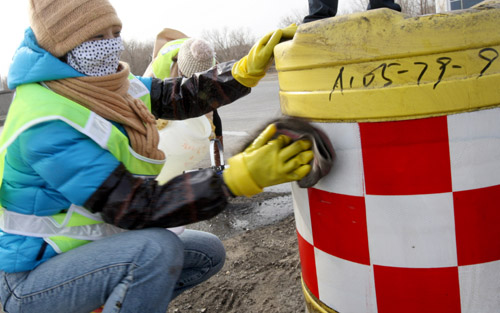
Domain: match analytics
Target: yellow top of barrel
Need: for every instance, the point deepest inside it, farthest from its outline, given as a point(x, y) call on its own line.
point(383, 65)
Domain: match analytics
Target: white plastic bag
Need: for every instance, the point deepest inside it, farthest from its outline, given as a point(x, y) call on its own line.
point(185, 144)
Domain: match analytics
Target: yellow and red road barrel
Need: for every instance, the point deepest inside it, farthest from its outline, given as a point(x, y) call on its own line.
point(408, 220)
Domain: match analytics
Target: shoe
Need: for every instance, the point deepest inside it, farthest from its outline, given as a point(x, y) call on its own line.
point(377, 4)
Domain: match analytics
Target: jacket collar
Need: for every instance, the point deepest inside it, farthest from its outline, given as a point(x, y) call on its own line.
point(32, 64)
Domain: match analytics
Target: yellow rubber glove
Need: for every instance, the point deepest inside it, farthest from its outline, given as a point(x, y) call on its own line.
point(252, 67)
point(268, 162)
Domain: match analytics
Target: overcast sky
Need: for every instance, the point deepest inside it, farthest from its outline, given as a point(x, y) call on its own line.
point(144, 18)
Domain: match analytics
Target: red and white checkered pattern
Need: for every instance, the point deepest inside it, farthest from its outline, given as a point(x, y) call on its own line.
point(408, 220)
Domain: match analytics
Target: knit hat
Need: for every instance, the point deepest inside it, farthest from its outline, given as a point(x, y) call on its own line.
point(195, 55)
point(61, 25)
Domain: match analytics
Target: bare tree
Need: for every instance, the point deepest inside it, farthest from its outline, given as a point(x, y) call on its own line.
point(138, 55)
point(418, 7)
point(296, 16)
point(230, 44)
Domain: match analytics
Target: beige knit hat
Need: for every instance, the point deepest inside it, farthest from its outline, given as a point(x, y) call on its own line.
point(61, 25)
point(195, 55)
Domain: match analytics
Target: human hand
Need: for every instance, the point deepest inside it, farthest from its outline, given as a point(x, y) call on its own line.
point(251, 68)
point(267, 162)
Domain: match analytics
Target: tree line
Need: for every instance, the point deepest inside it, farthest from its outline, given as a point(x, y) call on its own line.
point(229, 44)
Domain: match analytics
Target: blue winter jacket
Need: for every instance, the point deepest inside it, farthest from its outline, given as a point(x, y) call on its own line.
point(51, 165)
point(40, 164)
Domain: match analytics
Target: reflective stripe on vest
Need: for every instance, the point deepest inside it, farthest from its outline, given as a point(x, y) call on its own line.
point(78, 226)
point(77, 223)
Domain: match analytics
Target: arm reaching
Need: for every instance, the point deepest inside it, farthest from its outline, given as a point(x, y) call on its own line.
point(268, 162)
point(252, 67)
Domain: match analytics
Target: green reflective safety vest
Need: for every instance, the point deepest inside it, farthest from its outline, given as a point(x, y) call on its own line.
point(162, 64)
point(77, 226)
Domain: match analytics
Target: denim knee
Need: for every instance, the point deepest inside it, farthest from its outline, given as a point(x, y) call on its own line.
point(206, 243)
point(157, 247)
point(218, 252)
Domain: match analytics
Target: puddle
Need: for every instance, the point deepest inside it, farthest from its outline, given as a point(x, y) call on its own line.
point(242, 214)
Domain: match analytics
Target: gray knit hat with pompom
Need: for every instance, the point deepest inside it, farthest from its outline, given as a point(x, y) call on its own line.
point(195, 55)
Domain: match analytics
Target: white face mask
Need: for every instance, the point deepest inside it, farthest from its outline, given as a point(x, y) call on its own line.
point(97, 57)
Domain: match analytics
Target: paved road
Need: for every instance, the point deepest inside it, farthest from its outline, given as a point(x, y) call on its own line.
point(244, 116)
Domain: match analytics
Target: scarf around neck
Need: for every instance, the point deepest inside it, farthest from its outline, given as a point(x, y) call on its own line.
point(108, 97)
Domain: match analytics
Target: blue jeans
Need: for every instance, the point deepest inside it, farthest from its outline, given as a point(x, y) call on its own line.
point(135, 271)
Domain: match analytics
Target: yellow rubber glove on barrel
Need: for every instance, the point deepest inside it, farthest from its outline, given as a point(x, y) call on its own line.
point(252, 67)
point(268, 162)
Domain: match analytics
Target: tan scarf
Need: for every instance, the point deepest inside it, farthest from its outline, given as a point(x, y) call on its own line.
point(108, 97)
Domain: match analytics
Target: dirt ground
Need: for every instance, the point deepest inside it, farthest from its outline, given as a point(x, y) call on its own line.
point(261, 275)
